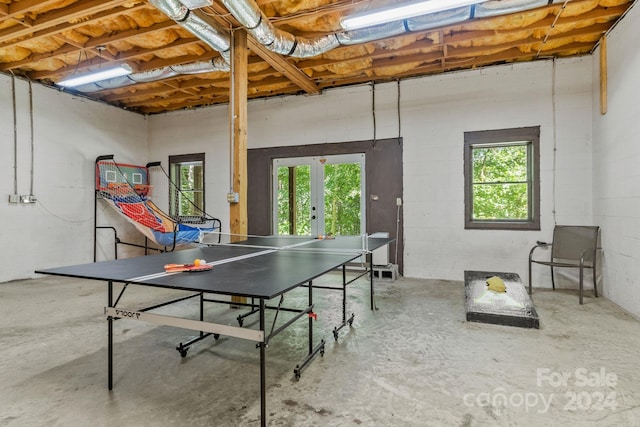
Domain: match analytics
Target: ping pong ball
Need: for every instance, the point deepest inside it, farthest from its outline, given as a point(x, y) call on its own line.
point(202, 262)
point(196, 262)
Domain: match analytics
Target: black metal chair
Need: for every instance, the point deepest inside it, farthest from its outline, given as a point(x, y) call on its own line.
point(573, 247)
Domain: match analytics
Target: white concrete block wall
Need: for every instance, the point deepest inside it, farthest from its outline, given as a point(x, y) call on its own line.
point(616, 156)
point(439, 110)
point(338, 115)
point(334, 116)
point(435, 112)
point(187, 132)
point(69, 133)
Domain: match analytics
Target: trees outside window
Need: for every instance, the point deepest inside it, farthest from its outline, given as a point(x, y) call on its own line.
point(502, 184)
point(319, 195)
point(186, 199)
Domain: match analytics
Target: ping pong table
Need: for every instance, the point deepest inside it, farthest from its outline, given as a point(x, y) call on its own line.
point(260, 269)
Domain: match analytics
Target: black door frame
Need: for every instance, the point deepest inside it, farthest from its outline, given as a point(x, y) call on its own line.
point(384, 186)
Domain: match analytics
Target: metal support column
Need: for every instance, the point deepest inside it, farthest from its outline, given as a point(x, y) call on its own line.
point(263, 373)
point(110, 339)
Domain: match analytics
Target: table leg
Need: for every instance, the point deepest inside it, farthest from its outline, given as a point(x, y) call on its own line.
point(310, 317)
point(263, 373)
point(110, 339)
point(345, 321)
point(369, 262)
point(344, 294)
point(297, 371)
point(201, 311)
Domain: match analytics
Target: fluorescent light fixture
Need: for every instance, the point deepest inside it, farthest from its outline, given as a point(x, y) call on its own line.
point(96, 76)
point(401, 11)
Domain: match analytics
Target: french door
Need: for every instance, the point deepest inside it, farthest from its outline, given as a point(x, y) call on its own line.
point(319, 195)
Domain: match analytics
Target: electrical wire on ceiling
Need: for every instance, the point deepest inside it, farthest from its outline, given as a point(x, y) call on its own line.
point(553, 25)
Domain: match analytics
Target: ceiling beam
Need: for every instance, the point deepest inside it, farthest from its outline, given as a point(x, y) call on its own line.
point(204, 92)
point(276, 61)
point(280, 64)
point(18, 8)
point(66, 18)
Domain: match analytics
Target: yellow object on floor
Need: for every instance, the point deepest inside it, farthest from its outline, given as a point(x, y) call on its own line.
point(496, 284)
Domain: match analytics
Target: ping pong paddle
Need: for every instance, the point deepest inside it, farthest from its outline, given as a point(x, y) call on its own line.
point(176, 268)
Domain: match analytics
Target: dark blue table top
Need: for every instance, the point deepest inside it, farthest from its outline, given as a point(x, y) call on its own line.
point(249, 268)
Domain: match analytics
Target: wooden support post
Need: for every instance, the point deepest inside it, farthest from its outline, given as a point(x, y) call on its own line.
point(238, 117)
point(603, 75)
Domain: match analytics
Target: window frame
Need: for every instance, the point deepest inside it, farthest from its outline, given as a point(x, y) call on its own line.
point(502, 137)
point(176, 161)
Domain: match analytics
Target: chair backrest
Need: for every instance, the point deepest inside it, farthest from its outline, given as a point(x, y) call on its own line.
point(570, 241)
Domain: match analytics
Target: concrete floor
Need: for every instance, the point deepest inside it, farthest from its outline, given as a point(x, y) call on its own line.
point(413, 362)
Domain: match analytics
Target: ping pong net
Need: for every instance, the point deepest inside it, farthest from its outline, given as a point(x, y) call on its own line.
point(357, 245)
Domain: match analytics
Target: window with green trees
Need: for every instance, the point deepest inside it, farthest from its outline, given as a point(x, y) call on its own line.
point(342, 199)
point(502, 179)
point(294, 200)
point(319, 196)
point(186, 199)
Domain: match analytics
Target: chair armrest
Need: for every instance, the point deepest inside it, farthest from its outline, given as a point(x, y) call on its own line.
point(539, 244)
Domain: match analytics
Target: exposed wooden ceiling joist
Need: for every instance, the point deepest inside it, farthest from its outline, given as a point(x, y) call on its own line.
point(48, 40)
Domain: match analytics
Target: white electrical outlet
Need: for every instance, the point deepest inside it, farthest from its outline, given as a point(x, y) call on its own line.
point(27, 198)
point(233, 197)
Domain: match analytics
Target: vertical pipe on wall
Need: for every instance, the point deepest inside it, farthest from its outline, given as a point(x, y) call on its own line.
point(555, 148)
point(31, 131)
point(15, 136)
point(373, 110)
point(232, 117)
point(398, 108)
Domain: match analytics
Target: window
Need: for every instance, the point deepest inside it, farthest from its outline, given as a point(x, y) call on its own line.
point(186, 196)
point(502, 179)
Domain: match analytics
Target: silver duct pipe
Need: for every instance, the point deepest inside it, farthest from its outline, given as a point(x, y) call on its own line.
point(439, 19)
point(502, 7)
point(250, 16)
point(217, 64)
point(364, 35)
point(217, 38)
point(258, 25)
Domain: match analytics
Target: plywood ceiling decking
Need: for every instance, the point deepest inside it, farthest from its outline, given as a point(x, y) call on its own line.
point(52, 39)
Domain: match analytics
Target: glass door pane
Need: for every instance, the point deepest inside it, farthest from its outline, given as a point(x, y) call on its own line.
point(292, 194)
point(342, 198)
point(319, 195)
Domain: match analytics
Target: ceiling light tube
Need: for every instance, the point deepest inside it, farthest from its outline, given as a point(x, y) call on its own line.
point(390, 14)
point(96, 76)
